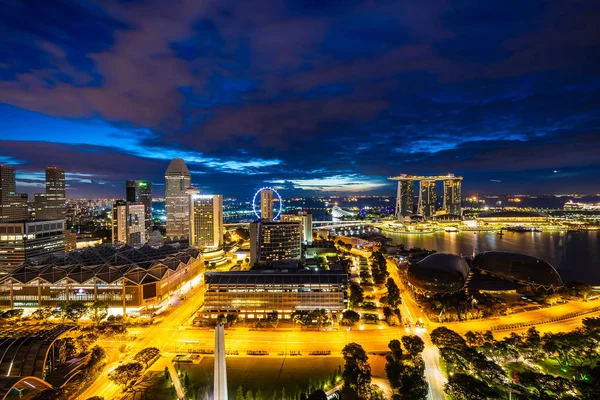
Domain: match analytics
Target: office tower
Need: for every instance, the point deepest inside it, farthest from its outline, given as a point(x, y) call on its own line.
point(274, 241)
point(305, 221)
point(22, 241)
point(220, 378)
point(307, 233)
point(452, 196)
point(405, 198)
point(52, 204)
point(141, 192)
point(427, 198)
point(177, 181)
point(128, 223)
point(266, 204)
point(206, 221)
point(13, 206)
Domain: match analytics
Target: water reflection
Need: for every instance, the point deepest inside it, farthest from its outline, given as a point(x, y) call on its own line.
point(574, 254)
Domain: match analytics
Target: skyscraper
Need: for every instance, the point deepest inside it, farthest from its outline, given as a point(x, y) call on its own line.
point(128, 224)
point(266, 204)
point(52, 204)
point(452, 196)
point(405, 198)
point(141, 192)
point(177, 181)
point(206, 221)
point(427, 198)
point(13, 206)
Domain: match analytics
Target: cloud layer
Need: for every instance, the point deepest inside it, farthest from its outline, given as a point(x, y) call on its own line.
point(320, 97)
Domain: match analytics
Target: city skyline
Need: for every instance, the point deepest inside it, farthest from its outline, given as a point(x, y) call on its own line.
point(315, 100)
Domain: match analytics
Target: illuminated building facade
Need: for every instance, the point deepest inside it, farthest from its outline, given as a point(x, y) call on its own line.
point(255, 294)
point(427, 195)
point(274, 241)
point(128, 223)
point(266, 204)
point(405, 198)
point(177, 205)
point(13, 205)
point(206, 221)
point(141, 192)
point(305, 220)
point(52, 204)
point(22, 241)
point(126, 278)
point(427, 198)
point(452, 196)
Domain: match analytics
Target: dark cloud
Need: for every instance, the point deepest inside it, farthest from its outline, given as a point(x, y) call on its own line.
point(342, 92)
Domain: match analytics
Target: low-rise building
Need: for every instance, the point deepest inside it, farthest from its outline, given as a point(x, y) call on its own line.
point(124, 277)
point(255, 294)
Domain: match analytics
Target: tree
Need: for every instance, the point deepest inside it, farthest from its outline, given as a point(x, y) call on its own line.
point(249, 395)
point(42, 313)
point(444, 337)
point(126, 373)
point(357, 295)
point(72, 310)
point(239, 395)
point(15, 313)
point(414, 385)
point(393, 366)
point(413, 344)
point(146, 355)
point(99, 311)
point(357, 371)
point(349, 318)
point(258, 395)
point(273, 319)
point(466, 387)
point(393, 293)
point(231, 319)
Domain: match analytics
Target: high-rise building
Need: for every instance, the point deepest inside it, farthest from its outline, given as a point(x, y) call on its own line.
point(24, 240)
point(141, 192)
point(305, 220)
point(427, 195)
point(13, 205)
point(128, 223)
point(206, 221)
point(52, 204)
point(452, 196)
point(274, 241)
point(266, 204)
point(405, 198)
point(177, 181)
point(427, 198)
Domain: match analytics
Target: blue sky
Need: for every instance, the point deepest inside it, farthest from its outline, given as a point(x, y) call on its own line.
point(312, 97)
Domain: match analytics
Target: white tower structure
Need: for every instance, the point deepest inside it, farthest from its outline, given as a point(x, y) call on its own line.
point(220, 389)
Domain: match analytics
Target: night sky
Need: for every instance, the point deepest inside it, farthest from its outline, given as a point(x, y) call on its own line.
point(314, 97)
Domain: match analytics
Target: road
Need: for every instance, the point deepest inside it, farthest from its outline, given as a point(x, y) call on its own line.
point(173, 335)
point(159, 335)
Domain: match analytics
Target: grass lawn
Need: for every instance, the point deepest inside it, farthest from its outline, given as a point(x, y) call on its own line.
point(266, 374)
point(155, 387)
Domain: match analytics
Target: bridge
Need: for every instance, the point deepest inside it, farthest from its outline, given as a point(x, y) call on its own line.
point(27, 355)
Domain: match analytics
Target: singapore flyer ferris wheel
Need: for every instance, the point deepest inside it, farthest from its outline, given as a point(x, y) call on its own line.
point(257, 207)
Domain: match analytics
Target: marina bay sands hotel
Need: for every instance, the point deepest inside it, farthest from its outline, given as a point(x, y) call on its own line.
point(427, 203)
